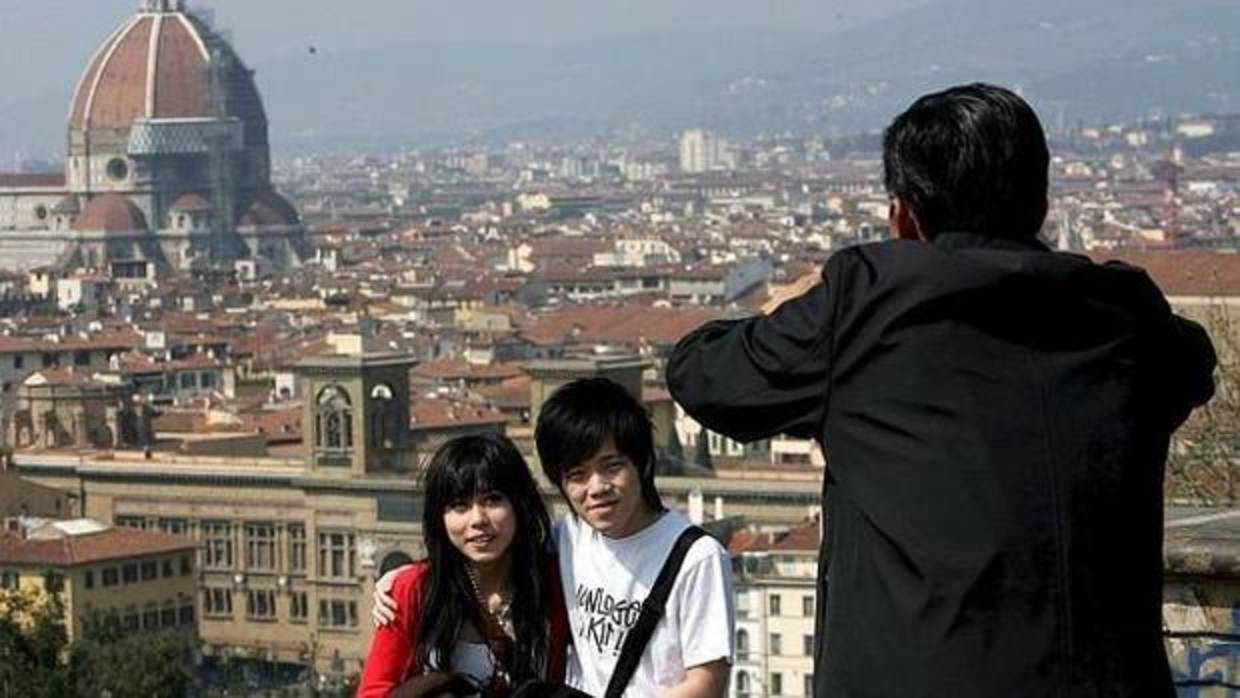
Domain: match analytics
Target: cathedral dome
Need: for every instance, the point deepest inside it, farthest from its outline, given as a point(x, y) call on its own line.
point(166, 63)
point(268, 208)
point(110, 213)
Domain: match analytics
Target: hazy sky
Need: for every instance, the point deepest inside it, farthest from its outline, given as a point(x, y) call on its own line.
point(46, 43)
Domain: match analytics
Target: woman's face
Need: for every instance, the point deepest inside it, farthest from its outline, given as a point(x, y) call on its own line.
point(482, 528)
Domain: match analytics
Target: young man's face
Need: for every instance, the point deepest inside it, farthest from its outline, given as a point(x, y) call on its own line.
point(606, 492)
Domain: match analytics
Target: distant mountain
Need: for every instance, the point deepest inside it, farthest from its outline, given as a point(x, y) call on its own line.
point(1075, 59)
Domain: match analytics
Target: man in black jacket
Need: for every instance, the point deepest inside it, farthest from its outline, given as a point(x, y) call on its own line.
point(996, 417)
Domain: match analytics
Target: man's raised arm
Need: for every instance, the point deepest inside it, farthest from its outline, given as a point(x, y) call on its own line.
point(762, 376)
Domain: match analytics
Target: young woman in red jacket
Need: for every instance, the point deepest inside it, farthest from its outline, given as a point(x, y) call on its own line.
point(485, 611)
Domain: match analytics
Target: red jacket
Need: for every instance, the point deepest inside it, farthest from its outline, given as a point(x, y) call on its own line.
point(394, 648)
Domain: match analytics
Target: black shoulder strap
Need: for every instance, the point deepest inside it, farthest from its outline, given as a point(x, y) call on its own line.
point(652, 612)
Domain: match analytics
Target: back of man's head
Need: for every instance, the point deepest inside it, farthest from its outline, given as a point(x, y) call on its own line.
point(969, 159)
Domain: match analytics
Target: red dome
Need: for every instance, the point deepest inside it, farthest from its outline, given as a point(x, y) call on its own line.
point(157, 65)
point(268, 208)
point(110, 213)
point(190, 203)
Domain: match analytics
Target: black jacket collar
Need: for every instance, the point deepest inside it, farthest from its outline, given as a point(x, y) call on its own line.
point(969, 241)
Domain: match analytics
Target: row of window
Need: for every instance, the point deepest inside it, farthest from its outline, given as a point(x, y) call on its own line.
point(261, 604)
point(50, 359)
point(775, 605)
point(145, 571)
point(148, 619)
point(775, 645)
point(260, 546)
point(776, 684)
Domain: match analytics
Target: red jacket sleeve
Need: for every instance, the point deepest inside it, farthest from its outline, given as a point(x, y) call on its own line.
point(393, 649)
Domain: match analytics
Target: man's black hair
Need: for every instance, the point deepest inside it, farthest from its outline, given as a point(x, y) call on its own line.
point(577, 420)
point(969, 159)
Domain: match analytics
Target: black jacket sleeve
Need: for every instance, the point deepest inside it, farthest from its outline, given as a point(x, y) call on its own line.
point(759, 377)
point(1189, 364)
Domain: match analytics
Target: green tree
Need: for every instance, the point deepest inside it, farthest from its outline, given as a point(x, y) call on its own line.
point(38, 661)
point(147, 664)
point(1202, 467)
point(32, 644)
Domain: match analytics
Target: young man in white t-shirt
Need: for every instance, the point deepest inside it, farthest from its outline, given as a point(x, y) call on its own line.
point(596, 444)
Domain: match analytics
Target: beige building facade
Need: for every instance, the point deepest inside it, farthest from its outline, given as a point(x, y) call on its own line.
point(139, 581)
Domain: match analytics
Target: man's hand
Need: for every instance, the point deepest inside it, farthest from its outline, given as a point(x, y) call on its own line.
point(384, 610)
point(796, 289)
point(708, 680)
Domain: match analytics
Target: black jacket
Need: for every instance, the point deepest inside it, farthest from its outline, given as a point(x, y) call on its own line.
point(996, 418)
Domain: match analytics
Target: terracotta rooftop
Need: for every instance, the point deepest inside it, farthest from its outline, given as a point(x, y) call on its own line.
point(98, 341)
point(50, 181)
point(268, 208)
point(459, 369)
point(191, 203)
point(63, 377)
point(513, 393)
point(1185, 272)
point(134, 77)
point(803, 537)
point(110, 213)
point(624, 324)
point(433, 413)
point(112, 544)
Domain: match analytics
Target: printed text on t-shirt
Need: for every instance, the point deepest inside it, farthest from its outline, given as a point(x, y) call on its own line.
point(607, 619)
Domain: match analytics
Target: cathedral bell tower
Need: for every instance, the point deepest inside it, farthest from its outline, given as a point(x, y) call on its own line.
point(356, 411)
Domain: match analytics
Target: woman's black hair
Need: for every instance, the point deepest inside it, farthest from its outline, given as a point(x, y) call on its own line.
point(577, 421)
point(464, 468)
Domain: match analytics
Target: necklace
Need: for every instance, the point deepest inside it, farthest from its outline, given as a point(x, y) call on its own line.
point(503, 613)
point(500, 647)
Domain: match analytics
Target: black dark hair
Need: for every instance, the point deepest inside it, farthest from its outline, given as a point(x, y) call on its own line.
point(463, 468)
point(969, 159)
point(578, 419)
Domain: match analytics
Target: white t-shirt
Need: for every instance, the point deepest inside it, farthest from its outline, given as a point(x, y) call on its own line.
point(605, 582)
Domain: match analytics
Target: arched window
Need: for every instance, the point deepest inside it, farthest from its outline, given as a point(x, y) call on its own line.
point(333, 428)
point(742, 682)
point(742, 646)
point(382, 425)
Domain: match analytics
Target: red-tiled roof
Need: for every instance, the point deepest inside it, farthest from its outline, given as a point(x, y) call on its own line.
point(112, 544)
point(623, 324)
point(459, 369)
point(110, 213)
point(32, 180)
point(191, 203)
point(133, 77)
point(99, 341)
point(282, 424)
point(513, 393)
point(432, 413)
point(62, 377)
point(268, 208)
point(803, 537)
point(120, 90)
point(181, 75)
point(1185, 272)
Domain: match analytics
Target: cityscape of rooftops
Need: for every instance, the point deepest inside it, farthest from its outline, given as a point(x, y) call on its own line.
point(259, 261)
